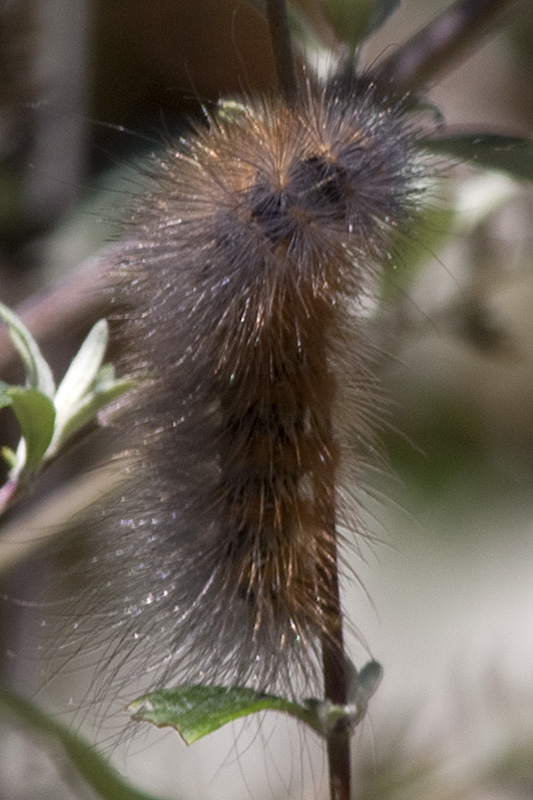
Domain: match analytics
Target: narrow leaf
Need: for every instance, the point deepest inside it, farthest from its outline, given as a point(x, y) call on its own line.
point(95, 770)
point(38, 373)
point(511, 154)
point(83, 369)
point(8, 455)
point(87, 408)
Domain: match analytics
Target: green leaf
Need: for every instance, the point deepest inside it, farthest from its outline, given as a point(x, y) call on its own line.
point(354, 21)
point(95, 770)
point(5, 398)
point(383, 9)
point(195, 711)
point(9, 456)
point(100, 396)
point(38, 373)
point(87, 387)
point(368, 680)
point(83, 370)
point(35, 414)
point(46, 417)
point(511, 154)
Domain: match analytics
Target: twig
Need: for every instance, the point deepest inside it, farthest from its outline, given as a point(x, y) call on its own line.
point(428, 53)
point(280, 36)
point(333, 656)
point(72, 306)
point(335, 690)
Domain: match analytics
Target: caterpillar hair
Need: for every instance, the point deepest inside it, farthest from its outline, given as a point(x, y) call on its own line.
point(240, 290)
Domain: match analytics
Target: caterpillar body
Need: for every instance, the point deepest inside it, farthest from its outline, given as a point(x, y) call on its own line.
point(239, 294)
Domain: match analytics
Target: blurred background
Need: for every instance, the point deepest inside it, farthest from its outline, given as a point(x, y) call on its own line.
point(87, 89)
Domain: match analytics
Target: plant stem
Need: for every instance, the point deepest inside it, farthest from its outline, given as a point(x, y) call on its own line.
point(338, 743)
point(333, 657)
point(280, 37)
point(429, 52)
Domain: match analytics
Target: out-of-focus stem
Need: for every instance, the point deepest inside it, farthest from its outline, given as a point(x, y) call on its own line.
point(283, 51)
point(439, 45)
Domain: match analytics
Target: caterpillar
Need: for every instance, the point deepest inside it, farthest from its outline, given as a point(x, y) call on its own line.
point(239, 300)
point(240, 293)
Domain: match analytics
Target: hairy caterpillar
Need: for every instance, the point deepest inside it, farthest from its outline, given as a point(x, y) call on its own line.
point(259, 216)
point(243, 283)
point(238, 296)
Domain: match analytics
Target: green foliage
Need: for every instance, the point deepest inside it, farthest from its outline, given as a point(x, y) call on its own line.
point(36, 415)
point(195, 711)
point(511, 154)
point(93, 768)
point(48, 416)
point(353, 22)
point(38, 373)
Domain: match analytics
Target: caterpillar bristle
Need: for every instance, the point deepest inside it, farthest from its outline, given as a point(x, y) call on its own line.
point(239, 294)
point(239, 289)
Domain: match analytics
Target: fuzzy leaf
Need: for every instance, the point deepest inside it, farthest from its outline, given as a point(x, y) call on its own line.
point(511, 154)
point(195, 711)
point(38, 373)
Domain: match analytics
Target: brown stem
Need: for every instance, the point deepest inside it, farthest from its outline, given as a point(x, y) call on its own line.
point(280, 37)
point(428, 53)
point(338, 742)
point(333, 657)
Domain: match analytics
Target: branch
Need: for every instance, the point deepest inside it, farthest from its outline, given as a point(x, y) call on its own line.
point(439, 45)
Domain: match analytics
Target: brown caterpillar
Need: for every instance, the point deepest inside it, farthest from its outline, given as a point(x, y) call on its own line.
point(239, 294)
